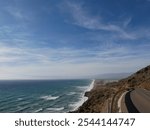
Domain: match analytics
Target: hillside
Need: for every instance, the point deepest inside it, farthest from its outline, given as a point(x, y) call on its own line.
point(102, 92)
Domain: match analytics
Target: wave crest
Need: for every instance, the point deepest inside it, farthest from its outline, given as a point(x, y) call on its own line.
point(71, 93)
point(55, 109)
point(49, 97)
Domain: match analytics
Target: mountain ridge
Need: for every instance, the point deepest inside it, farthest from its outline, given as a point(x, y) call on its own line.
point(102, 92)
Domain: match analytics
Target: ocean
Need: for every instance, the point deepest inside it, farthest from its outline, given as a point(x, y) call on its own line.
point(42, 96)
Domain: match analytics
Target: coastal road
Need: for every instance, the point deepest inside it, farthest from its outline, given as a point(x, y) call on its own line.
point(134, 101)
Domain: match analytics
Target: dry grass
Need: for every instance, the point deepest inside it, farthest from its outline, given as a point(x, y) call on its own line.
point(99, 95)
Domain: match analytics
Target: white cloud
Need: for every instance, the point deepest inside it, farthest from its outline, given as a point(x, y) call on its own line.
point(24, 63)
point(127, 22)
point(49, 56)
point(82, 18)
point(69, 70)
point(19, 60)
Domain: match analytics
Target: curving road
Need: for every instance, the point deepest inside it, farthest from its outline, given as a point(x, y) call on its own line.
point(137, 100)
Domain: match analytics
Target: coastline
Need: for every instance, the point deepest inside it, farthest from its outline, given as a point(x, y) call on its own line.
point(91, 86)
point(104, 91)
point(95, 96)
point(83, 97)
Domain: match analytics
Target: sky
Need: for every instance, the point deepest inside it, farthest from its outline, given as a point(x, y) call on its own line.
point(58, 39)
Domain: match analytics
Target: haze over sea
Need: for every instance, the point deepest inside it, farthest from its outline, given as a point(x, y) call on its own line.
point(42, 95)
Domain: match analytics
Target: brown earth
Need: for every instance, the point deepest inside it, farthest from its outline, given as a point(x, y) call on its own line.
point(102, 92)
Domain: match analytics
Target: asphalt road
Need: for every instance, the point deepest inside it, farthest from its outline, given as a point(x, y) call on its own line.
point(135, 101)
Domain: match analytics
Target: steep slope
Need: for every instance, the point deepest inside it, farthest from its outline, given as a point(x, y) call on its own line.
point(99, 96)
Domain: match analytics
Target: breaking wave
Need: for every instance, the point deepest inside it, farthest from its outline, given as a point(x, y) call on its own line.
point(49, 97)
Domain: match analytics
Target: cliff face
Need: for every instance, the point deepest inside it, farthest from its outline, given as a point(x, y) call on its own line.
point(102, 92)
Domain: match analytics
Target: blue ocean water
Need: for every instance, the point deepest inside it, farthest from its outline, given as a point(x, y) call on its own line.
point(41, 95)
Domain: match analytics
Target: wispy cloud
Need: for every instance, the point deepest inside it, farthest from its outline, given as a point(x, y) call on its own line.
point(102, 47)
point(18, 13)
point(21, 56)
point(126, 22)
point(64, 62)
point(81, 17)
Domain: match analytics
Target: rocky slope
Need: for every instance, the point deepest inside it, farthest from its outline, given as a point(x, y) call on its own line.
point(102, 92)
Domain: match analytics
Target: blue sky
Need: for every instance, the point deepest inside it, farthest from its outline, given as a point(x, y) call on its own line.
point(73, 38)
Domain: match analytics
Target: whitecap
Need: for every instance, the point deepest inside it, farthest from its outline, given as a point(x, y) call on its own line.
point(82, 88)
point(19, 99)
point(71, 93)
point(76, 105)
point(38, 110)
point(49, 97)
point(55, 109)
point(82, 99)
point(91, 86)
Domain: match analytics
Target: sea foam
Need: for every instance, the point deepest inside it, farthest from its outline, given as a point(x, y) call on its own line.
point(49, 97)
point(71, 93)
point(55, 109)
point(76, 105)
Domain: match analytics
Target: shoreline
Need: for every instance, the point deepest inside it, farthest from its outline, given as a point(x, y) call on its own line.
point(92, 100)
point(91, 86)
point(104, 91)
point(83, 97)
